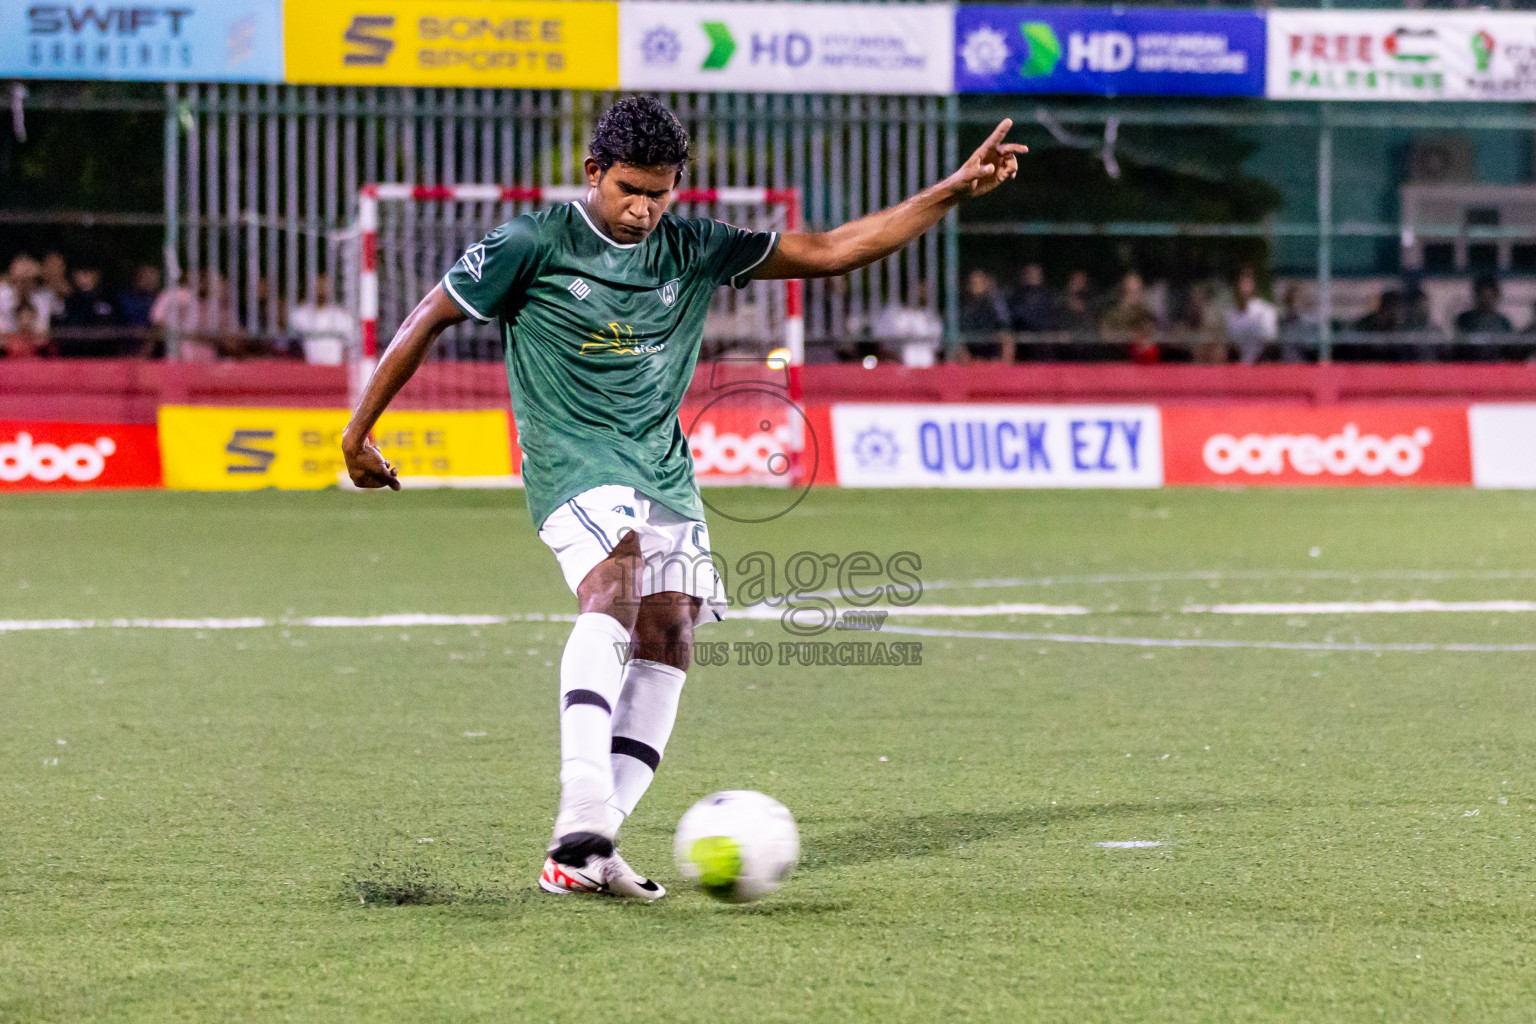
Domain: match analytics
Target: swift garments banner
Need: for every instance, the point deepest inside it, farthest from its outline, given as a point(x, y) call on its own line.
point(1323, 447)
point(787, 47)
point(570, 44)
point(207, 448)
point(1401, 55)
point(77, 456)
point(184, 40)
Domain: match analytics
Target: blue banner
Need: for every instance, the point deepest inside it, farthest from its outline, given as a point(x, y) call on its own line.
point(183, 40)
point(1102, 51)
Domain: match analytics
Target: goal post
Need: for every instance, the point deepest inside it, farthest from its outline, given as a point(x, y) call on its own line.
point(406, 235)
point(370, 196)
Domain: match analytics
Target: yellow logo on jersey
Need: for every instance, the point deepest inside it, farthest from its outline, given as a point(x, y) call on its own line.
point(619, 340)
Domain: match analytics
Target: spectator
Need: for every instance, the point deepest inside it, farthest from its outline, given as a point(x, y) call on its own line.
point(1252, 323)
point(1297, 326)
point(1075, 317)
point(1130, 323)
point(1386, 317)
point(23, 287)
point(25, 338)
point(135, 302)
point(984, 319)
point(1032, 307)
point(1484, 318)
point(89, 318)
point(915, 328)
point(325, 329)
point(56, 277)
point(1202, 322)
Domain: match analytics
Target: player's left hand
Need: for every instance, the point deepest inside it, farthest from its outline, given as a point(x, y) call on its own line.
point(991, 165)
point(367, 467)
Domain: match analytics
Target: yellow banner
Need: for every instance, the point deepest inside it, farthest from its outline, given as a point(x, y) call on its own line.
point(213, 448)
point(572, 44)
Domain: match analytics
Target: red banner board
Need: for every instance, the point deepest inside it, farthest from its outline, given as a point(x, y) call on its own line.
point(1291, 446)
point(77, 456)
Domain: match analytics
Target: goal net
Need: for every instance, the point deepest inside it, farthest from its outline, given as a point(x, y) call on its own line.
point(742, 412)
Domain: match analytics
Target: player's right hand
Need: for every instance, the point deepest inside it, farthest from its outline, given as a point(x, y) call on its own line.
point(368, 468)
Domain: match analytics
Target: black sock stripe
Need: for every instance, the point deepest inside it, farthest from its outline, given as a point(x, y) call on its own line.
point(592, 697)
point(642, 752)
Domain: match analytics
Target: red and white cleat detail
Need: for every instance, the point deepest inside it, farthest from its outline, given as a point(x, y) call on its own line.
point(564, 879)
point(609, 876)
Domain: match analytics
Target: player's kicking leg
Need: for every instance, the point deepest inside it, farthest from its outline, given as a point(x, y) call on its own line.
point(619, 697)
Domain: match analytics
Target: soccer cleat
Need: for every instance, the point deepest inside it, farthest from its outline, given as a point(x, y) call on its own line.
point(563, 879)
point(623, 880)
point(609, 876)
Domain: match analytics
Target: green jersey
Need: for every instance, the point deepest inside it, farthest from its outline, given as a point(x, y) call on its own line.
point(601, 341)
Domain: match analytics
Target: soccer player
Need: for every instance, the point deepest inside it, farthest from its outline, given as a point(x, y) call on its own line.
point(601, 304)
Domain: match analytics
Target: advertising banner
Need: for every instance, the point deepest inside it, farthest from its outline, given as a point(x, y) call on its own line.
point(1401, 55)
point(77, 456)
point(1503, 445)
point(570, 44)
point(997, 445)
point(184, 40)
point(1109, 51)
point(1325, 447)
point(211, 448)
point(787, 47)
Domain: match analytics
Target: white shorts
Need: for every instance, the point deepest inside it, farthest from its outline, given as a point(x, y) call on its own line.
point(675, 549)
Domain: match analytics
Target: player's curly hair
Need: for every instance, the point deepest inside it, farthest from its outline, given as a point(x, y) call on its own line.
point(641, 131)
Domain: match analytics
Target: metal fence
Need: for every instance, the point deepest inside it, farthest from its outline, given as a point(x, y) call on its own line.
point(261, 180)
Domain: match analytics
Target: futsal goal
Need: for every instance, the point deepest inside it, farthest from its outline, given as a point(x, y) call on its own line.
point(743, 413)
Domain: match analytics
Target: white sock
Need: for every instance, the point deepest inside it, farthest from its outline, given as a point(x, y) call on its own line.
point(642, 723)
point(591, 678)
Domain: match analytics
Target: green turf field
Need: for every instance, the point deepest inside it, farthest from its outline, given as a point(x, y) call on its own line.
point(213, 825)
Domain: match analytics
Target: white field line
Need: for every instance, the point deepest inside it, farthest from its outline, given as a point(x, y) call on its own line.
point(1129, 844)
point(1218, 575)
point(776, 611)
point(763, 612)
point(1181, 642)
point(1358, 607)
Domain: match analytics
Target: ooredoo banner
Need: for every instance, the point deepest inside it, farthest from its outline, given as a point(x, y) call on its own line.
point(1109, 51)
point(213, 448)
point(570, 44)
point(997, 445)
point(77, 456)
point(1401, 55)
point(184, 40)
point(1335, 446)
point(787, 47)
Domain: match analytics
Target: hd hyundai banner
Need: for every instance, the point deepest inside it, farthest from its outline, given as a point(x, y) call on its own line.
point(787, 47)
point(184, 40)
point(77, 456)
point(1109, 51)
point(997, 445)
point(1401, 55)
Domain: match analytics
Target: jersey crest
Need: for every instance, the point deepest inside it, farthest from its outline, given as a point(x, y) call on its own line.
point(669, 292)
point(474, 260)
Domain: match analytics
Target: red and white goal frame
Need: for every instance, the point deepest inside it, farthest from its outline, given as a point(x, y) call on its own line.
point(370, 196)
point(728, 448)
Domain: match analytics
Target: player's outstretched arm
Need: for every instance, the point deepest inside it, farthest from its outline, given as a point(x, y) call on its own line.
point(431, 317)
point(861, 242)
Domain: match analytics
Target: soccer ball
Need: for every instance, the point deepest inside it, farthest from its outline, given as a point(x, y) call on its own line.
point(737, 845)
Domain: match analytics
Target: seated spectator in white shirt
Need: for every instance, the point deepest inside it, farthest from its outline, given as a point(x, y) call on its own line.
point(324, 328)
point(1252, 323)
point(23, 286)
point(915, 328)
